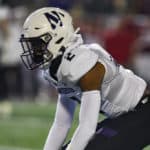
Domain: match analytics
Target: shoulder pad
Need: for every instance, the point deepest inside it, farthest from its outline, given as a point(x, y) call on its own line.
point(84, 59)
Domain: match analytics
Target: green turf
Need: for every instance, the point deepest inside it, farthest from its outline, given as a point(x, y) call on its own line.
point(24, 126)
point(27, 124)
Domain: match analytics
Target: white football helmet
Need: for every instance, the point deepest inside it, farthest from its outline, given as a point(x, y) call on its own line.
point(45, 32)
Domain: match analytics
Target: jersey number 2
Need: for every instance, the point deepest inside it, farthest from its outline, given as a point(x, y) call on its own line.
point(69, 56)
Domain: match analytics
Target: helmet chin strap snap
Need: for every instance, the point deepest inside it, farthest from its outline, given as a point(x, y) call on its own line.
point(46, 57)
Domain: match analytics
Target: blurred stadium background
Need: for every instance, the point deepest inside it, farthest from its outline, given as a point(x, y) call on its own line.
point(27, 102)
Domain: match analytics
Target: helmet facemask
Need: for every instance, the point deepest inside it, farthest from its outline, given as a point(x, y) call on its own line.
point(35, 52)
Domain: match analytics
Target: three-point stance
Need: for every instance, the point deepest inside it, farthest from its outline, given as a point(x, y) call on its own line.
point(89, 75)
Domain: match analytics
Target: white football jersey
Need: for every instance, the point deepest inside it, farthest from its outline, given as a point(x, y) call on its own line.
point(121, 89)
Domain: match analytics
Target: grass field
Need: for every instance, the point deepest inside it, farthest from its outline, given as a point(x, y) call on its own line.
point(24, 126)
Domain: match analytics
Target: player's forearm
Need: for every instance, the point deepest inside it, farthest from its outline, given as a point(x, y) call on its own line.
point(56, 137)
point(63, 120)
point(81, 138)
point(89, 113)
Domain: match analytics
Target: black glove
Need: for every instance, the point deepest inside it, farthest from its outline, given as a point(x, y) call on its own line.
point(65, 146)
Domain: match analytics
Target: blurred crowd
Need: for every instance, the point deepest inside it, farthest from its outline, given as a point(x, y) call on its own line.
point(122, 27)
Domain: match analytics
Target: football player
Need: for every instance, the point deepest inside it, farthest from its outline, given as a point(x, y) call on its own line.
point(89, 75)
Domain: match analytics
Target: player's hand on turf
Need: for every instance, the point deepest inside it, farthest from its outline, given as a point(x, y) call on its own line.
point(64, 147)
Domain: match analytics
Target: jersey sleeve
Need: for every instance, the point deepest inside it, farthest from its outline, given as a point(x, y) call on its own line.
point(81, 65)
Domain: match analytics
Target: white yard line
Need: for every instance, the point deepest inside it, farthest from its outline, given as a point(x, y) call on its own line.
point(14, 148)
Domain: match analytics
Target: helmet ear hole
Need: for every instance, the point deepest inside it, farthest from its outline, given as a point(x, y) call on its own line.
point(59, 40)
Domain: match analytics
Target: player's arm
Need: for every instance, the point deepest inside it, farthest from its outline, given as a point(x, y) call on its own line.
point(62, 123)
point(90, 84)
